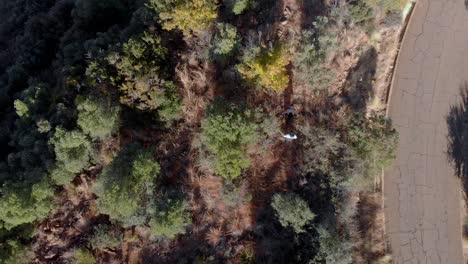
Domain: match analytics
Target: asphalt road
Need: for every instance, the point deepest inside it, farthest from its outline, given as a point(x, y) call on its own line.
point(422, 195)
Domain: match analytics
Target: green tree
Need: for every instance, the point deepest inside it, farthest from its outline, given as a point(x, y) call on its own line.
point(141, 66)
point(267, 69)
point(292, 211)
point(225, 40)
point(226, 135)
point(21, 108)
point(97, 116)
point(43, 126)
point(72, 153)
point(190, 16)
point(23, 204)
point(125, 188)
point(172, 221)
point(239, 6)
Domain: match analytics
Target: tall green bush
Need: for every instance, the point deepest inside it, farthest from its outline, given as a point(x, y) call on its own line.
point(374, 140)
point(125, 188)
point(72, 150)
point(171, 221)
point(225, 40)
point(25, 204)
point(190, 16)
point(267, 69)
point(226, 135)
point(97, 116)
point(292, 211)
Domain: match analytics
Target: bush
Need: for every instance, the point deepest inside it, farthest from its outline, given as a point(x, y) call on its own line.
point(97, 116)
point(239, 6)
point(292, 211)
point(141, 67)
point(125, 188)
point(374, 140)
point(72, 150)
point(225, 40)
point(190, 16)
point(83, 256)
point(172, 221)
point(43, 126)
point(14, 252)
point(361, 12)
point(226, 134)
point(21, 108)
point(267, 69)
point(314, 47)
point(322, 148)
point(105, 236)
point(333, 248)
point(23, 204)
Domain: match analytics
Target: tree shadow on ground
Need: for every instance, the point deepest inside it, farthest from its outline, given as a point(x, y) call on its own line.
point(360, 81)
point(457, 148)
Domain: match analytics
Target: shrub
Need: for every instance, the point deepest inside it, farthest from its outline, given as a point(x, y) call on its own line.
point(105, 236)
point(125, 187)
point(97, 116)
point(14, 252)
point(83, 256)
point(190, 16)
point(172, 221)
point(374, 140)
point(361, 12)
point(292, 211)
point(314, 47)
point(23, 204)
point(141, 67)
point(226, 134)
point(239, 6)
point(225, 40)
point(43, 126)
point(333, 248)
point(322, 148)
point(72, 150)
point(21, 108)
point(267, 69)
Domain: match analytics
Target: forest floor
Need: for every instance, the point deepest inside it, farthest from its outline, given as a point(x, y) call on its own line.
point(362, 69)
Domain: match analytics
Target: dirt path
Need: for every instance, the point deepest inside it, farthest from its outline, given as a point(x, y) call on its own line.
point(58, 234)
point(422, 194)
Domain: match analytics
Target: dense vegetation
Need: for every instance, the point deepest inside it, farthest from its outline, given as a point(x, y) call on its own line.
point(168, 115)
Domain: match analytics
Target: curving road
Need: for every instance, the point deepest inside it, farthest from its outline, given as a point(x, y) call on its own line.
point(422, 195)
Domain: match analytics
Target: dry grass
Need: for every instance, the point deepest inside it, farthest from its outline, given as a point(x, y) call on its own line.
point(58, 234)
point(370, 240)
point(196, 78)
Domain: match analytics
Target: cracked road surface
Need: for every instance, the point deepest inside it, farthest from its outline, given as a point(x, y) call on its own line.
point(422, 195)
